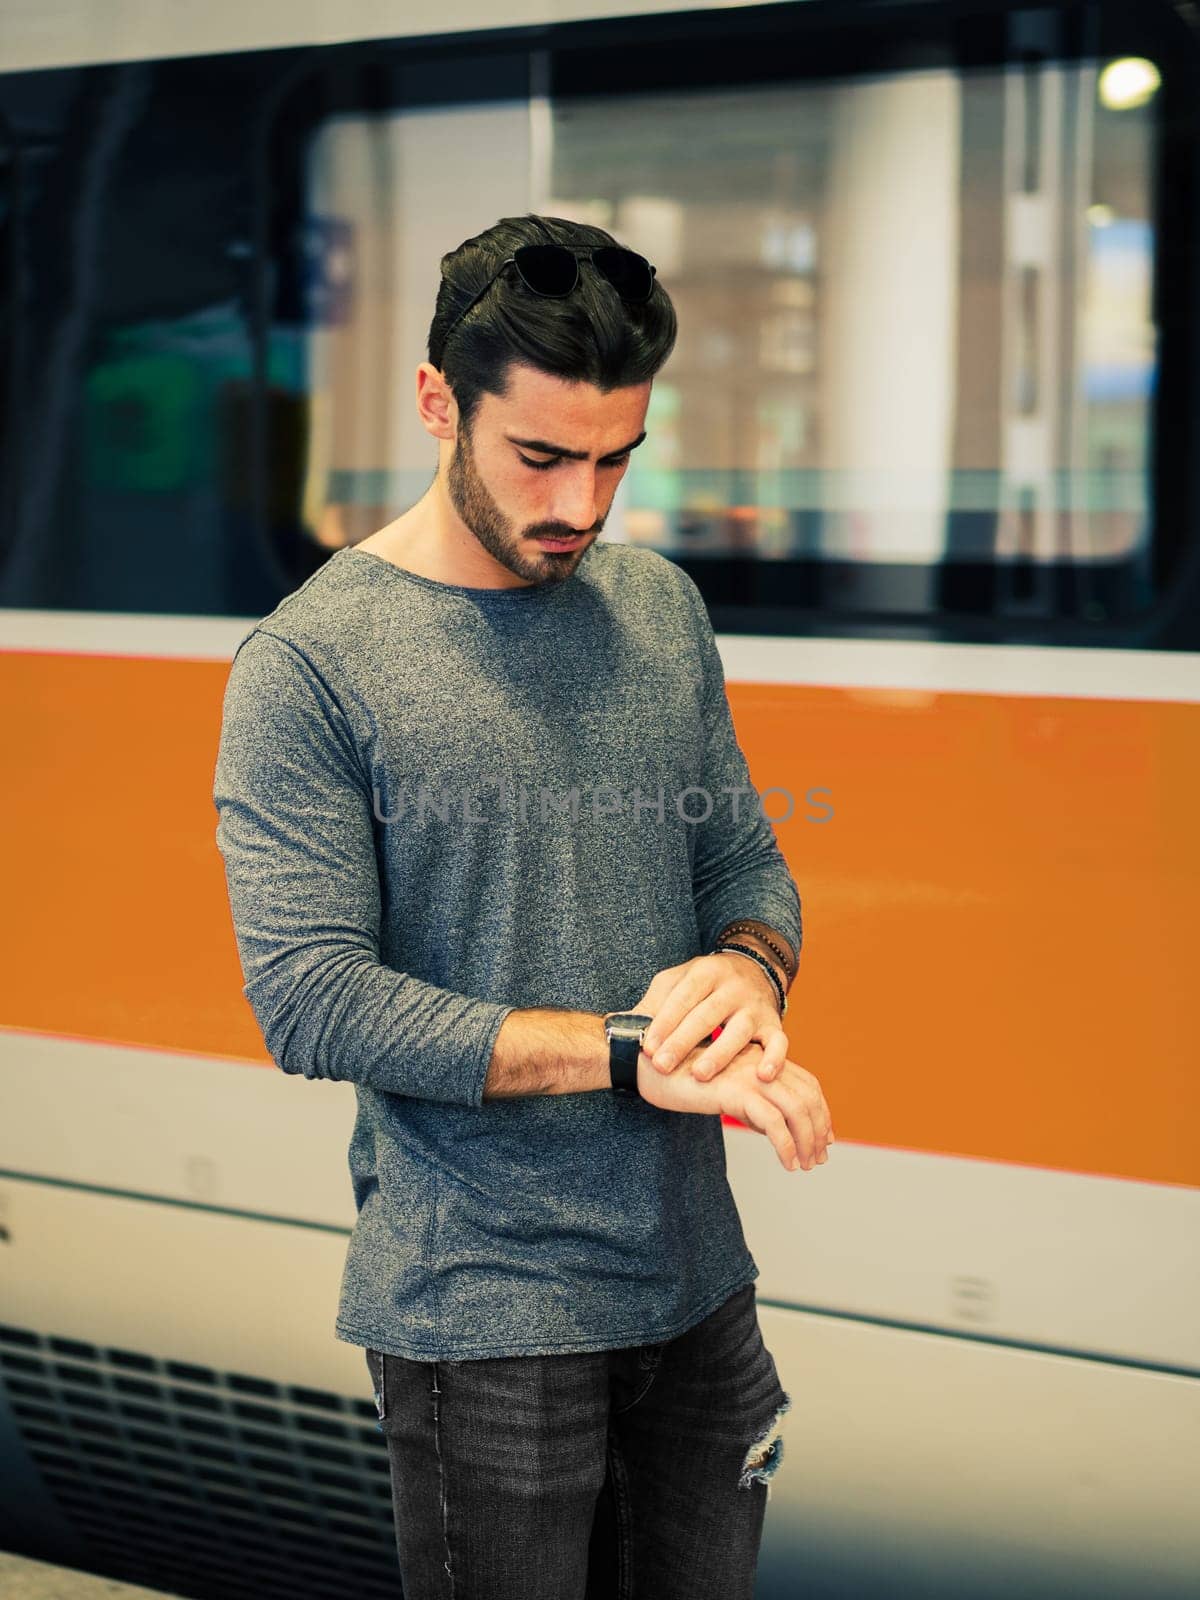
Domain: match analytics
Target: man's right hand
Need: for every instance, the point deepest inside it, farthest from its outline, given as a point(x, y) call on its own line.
point(789, 1109)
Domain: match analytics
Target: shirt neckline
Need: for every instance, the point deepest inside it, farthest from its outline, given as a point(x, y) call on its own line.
point(520, 592)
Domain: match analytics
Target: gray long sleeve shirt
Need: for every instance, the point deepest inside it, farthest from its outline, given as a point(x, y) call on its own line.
point(437, 804)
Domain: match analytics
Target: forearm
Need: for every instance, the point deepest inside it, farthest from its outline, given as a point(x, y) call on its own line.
point(546, 1051)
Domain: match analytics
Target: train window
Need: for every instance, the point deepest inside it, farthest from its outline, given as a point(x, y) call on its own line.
point(916, 330)
point(919, 345)
point(936, 269)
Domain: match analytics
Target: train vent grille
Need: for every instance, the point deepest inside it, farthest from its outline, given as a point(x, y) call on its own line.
point(211, 1485)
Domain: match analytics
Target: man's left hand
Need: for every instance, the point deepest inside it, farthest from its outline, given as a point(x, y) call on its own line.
point(727, 991)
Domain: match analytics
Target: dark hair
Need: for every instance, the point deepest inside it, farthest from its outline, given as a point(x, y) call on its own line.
point(590, 335)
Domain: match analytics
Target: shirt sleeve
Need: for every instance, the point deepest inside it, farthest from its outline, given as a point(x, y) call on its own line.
point(296, 834)
point(738, 869)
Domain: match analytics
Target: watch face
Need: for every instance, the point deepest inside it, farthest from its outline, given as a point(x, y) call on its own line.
point(627, 1024)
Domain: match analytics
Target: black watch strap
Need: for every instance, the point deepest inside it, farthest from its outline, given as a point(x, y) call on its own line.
point(625, 1031)
point(623, 1064)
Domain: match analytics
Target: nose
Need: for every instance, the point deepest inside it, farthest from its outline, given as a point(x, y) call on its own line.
point(575, 499)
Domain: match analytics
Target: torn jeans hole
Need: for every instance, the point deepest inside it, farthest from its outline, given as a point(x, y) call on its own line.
point(765, 1454)
point(380, 1387)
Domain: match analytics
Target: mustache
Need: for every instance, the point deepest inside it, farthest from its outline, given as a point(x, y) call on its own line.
point(549, 530)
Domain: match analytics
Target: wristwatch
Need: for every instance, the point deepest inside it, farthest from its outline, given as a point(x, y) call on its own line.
point(625, 1031)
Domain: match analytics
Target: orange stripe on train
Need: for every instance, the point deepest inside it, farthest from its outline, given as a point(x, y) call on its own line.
point(998, 910)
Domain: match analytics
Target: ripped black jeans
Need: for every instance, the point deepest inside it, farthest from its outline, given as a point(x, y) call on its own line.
point(636, 1474)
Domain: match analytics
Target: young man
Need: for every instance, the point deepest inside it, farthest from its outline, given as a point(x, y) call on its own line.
point(485, 824)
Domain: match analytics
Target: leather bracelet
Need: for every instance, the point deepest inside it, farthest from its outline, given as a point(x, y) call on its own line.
point(745, 950)
point(756, 931)
point(752, 928)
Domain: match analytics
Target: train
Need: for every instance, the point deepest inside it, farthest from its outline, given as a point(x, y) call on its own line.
point(928, 446)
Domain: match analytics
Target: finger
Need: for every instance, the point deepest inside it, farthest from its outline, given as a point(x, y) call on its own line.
point(818, 1113)
point(676, 1004)
point(735, 1035)
point(775, 1048)
point(818, 1106)
point(694, 1028)
point(759, 1112)
point(822, 1118)
point(799, 1120)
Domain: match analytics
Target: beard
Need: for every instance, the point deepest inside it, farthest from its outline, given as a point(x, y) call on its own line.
point(471, 498)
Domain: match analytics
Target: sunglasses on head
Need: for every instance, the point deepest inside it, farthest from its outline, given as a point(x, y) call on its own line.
point(553, 270)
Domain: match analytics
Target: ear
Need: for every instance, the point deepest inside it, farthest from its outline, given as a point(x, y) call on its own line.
point(436, 405)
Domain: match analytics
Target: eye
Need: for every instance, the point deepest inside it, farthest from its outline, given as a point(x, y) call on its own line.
point(544, 466)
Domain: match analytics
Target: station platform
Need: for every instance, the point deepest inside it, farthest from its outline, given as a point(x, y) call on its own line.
point(22, 1579)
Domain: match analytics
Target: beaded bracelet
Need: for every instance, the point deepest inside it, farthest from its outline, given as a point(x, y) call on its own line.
point(764, 938)
point(745, 950)
point(753, 928)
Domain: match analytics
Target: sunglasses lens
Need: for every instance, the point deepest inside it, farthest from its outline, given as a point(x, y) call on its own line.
point(547, 268)
point(631, 275)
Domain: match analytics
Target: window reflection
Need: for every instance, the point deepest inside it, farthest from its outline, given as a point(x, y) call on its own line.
point(915, 313)
point(915, 316)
